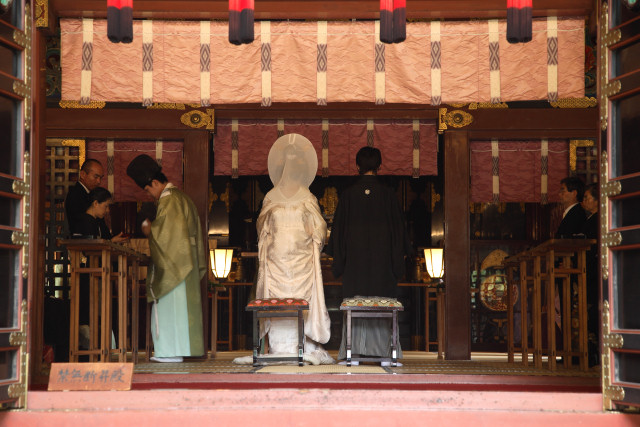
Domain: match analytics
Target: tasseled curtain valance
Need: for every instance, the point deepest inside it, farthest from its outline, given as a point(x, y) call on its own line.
point(116, 155)
point(518, 171)
point(409, 147)
point(321, 62)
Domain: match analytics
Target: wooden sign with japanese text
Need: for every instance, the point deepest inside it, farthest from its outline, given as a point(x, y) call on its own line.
point(90, 376)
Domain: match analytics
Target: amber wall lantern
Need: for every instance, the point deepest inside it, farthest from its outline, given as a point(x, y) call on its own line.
point(221, 262)
point(434, 259)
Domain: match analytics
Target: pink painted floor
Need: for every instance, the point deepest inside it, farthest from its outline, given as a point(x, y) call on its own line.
point(314, 407)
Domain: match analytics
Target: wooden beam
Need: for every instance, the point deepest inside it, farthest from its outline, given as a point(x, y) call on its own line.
point(320, 9)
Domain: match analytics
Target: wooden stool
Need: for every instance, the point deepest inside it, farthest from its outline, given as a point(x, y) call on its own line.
point(379, 307)
point(277, 307)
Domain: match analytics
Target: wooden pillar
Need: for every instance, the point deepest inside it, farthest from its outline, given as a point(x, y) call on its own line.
point(196, 185)
point(457, 246)
point(37, 149)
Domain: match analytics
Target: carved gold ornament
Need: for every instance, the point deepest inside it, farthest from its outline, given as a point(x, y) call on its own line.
point(75, 104)
point(477, 105)
point(607, 239)
point(607, 88)
point(609, 341)
point(23, 88)
point(329, 201)
point(575, 103)
point(42, 13)
point(573, 146)
point(435, 198)
point(455, 118)
point(223, 197)
point(197, 119)
point(19, 338)
point(170, 106)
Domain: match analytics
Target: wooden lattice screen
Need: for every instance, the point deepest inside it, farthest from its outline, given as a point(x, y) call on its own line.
point(64, 158)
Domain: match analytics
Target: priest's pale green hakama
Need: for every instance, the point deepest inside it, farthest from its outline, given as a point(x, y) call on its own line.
point(171, 333)
point(179, 264)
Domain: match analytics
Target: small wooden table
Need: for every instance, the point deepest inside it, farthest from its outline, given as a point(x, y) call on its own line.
point(432, 292)
point(94, 257)
point(550, 263)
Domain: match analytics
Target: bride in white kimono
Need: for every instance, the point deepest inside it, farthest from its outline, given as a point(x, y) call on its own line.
point(291, 234)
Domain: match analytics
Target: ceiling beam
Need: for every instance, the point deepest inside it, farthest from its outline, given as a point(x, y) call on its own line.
point(319, 9)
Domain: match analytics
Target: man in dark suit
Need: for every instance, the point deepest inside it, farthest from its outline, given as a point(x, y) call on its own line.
point(75, 206)
point(77, 200)
point(572, 224)
point(574, 217)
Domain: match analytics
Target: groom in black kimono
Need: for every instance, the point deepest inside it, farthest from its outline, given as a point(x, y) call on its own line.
point(368, 243)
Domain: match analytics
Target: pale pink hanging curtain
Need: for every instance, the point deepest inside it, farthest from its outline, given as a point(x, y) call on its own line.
point(322, 62)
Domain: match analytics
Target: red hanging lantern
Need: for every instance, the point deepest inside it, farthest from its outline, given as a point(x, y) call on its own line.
point(241, 21)
point(519, 21)
point(399, 20)
point(393, 21)
point(120, 21)
point(386, 21)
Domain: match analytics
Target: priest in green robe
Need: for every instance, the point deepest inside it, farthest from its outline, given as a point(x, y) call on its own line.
point(178, 265)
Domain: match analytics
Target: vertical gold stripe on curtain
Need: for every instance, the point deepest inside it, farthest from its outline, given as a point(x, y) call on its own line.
point(416, 149)
point(325, 148)
point(379, 66)
point(552, 58)
point(494, 61)
point(205, 63)
point(280, 127)
point(234, 148)
point(321, 67)
point(147, 63)
point(495, 170)
point(370, 133)
point(159, 151)
point(265, 49)
point(544, 171)
point(436, 67)
point(87, 61)
point(110, 165)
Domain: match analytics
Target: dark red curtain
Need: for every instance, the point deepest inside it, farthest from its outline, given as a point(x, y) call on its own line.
point(124, 189)
point(520, 170)
point(394, 138)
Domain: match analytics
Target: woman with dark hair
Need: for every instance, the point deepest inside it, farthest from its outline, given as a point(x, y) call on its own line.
point(91, 222)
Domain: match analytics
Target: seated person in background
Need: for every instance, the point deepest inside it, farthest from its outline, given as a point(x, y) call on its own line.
point(91, 222)
point(368, 243)
point(574, 217)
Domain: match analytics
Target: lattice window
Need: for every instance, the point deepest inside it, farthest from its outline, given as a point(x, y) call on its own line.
point(64, 158)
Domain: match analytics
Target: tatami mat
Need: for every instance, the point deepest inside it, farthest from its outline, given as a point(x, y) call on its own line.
point(322, 369)
point(413, 363)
